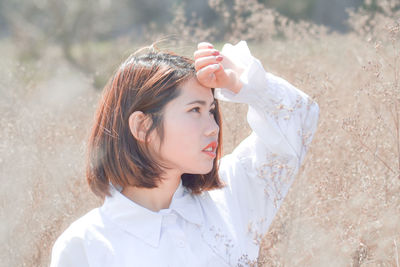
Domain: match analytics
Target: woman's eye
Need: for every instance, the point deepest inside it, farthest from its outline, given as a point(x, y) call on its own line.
point(195, 109)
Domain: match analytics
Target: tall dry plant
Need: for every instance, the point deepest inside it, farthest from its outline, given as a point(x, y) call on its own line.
point(253, 21)
point(182, 30)
point(379, 133)
point(46, 114)
point(342, 210)
point(236, 20)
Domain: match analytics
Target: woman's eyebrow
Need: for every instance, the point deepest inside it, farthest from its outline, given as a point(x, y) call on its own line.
point(201, 102)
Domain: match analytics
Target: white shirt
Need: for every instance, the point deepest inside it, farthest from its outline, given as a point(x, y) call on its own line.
point(222, 227)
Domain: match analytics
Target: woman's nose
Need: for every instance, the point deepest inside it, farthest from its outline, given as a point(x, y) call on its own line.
point(213, 128)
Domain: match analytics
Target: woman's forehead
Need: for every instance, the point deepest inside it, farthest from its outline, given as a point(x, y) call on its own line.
point(192, 90)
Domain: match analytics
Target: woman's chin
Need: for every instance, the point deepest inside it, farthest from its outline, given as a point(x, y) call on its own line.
point(202, 171)
point(207, 170)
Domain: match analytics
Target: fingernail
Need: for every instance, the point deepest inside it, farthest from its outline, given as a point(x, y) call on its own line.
point(215, 66)
point(210, 46)
point(219, 58)
point(215, 53)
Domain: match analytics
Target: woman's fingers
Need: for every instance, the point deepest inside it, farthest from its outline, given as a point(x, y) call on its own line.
point(205, 53)
point(204, 61)
point(209, 71)
point(206, 74)
point(213, 69)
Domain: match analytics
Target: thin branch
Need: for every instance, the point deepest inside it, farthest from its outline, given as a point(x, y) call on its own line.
point(380, 118)
point(396, 253)
point(397, 132)
point(375, 155)
point(395, 64)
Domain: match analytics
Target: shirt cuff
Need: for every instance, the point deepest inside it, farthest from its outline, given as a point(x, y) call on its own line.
point(253, 78)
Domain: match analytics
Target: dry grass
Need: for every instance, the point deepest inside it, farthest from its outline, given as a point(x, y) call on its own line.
point(343, 209)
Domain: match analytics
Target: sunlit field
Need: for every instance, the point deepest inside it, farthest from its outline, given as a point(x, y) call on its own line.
point(344, 207)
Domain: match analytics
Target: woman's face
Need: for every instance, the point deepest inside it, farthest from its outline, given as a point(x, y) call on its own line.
point(189, 126)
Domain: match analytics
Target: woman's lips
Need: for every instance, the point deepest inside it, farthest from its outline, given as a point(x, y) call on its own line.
point(213, 145)
point(211, 154)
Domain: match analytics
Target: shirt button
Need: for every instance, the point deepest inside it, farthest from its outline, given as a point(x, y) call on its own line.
point(181, 243)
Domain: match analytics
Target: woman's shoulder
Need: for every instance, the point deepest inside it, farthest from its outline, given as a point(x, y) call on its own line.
point(79, 229)
point(69, 248)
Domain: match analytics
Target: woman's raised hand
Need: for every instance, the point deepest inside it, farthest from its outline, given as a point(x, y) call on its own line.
point(215, 70)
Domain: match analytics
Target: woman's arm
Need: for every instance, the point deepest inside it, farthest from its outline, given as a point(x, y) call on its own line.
point(262, 167)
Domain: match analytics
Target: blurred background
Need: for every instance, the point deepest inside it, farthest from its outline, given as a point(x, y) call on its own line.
point(56, 56)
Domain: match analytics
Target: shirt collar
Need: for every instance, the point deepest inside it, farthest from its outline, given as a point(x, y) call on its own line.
point(144, 223)
point(187, 205)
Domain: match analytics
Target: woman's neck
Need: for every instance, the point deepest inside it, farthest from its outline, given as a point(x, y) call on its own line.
point(153, 199)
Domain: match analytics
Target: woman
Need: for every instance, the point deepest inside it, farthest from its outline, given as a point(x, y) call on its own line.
point(154, 155)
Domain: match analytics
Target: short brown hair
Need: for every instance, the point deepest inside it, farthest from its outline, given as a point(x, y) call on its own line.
point(146, 83)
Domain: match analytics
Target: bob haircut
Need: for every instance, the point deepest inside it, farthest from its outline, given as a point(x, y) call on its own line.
point(144, 82)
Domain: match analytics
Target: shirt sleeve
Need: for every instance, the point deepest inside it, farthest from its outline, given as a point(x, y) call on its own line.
point(68, 251)
point(260, 170)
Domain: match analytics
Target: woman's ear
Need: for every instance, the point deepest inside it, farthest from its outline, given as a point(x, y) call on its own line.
point(139, 123)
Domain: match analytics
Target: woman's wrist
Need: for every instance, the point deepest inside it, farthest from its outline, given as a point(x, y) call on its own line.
point(235, 84)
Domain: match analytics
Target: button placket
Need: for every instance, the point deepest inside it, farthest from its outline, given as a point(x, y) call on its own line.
point(171, 224)
point(179, 239)
point(181, 243)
